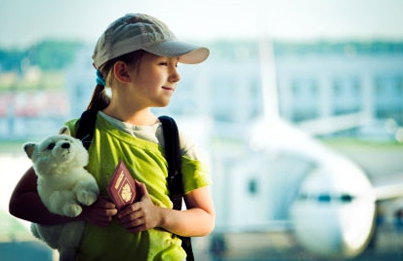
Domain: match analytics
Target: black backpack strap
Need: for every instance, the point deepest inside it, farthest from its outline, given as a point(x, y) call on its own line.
point(174, 159)
point(86, 127)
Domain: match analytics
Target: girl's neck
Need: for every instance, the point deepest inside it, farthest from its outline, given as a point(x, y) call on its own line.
point(143, 117)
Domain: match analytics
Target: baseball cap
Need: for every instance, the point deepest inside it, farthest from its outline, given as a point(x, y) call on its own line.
point(134, 32)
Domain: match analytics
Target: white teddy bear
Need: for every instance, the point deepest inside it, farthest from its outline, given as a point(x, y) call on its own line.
point(63, 184)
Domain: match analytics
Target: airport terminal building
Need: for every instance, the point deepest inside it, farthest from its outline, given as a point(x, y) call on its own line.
point(308, 81)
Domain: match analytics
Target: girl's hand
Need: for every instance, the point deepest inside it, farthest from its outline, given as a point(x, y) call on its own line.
point(100, 213)
point(141, 215)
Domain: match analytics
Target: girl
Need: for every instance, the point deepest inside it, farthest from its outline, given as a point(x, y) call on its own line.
point(137, 57)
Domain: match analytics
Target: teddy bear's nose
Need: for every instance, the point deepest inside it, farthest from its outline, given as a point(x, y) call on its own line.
point(66, 145)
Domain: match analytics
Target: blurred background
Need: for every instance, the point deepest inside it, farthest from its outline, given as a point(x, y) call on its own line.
point(299, 108)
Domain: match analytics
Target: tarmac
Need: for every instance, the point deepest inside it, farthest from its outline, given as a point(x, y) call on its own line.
point(280, 246)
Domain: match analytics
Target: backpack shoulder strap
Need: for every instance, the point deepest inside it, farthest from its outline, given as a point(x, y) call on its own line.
point(86, 127)
point(175, 184)
point(173, 157)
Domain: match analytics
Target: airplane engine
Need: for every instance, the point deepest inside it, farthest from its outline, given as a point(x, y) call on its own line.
point(334, 212)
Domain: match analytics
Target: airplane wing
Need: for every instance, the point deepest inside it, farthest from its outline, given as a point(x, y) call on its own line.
point(320, 126)
point(388, 187)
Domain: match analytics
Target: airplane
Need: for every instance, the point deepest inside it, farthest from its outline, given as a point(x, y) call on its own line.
point(334, 201)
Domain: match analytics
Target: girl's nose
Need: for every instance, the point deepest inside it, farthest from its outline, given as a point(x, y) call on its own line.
point(174, 75)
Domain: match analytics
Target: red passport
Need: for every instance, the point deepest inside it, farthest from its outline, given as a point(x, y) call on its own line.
point(122, 188)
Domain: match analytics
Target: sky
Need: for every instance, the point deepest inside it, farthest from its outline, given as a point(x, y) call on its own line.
point(24, 22)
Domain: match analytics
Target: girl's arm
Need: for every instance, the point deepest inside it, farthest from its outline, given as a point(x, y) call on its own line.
point(197, 220)
point(25, 203)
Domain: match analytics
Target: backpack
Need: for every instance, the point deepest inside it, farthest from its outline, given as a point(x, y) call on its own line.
point(85, 132)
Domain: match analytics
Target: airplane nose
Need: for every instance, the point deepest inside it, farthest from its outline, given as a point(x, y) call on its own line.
point(327, 202)
point(66, 145)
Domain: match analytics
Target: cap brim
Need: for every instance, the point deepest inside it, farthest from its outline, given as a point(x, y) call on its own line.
point(187, 53)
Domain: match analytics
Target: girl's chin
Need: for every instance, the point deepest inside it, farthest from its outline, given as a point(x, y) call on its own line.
point(161, 105)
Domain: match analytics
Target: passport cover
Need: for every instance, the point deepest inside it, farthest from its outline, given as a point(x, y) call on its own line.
point(122, 188)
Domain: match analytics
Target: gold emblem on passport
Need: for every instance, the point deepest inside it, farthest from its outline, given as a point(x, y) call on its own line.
point(122, 187)
point(126, 193)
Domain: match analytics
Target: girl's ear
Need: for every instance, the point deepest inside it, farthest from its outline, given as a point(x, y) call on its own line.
point(120, 69)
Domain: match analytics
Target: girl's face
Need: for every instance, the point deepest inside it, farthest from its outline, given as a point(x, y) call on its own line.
point(154, 80)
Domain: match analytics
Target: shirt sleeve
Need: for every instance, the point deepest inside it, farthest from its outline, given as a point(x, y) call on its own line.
point(195, 164)
point(195, 173)
point(72, 125)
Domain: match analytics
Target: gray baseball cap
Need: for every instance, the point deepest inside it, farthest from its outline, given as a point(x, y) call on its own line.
point(143, 32)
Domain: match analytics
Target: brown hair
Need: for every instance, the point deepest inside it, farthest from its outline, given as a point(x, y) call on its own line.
point(100, 100)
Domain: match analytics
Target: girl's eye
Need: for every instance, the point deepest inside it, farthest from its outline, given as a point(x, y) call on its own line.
point(168, 63)
point(51, 146)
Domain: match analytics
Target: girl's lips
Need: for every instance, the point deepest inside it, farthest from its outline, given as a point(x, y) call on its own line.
point(168, 88)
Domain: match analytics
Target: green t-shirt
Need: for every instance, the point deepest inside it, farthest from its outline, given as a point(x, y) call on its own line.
point(146, 162)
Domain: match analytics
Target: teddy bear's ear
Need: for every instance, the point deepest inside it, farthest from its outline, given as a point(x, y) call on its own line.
point(65, 130)
point(29, 149)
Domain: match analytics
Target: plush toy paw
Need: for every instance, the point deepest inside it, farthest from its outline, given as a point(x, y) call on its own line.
point(72, 210)
point(86, 197)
